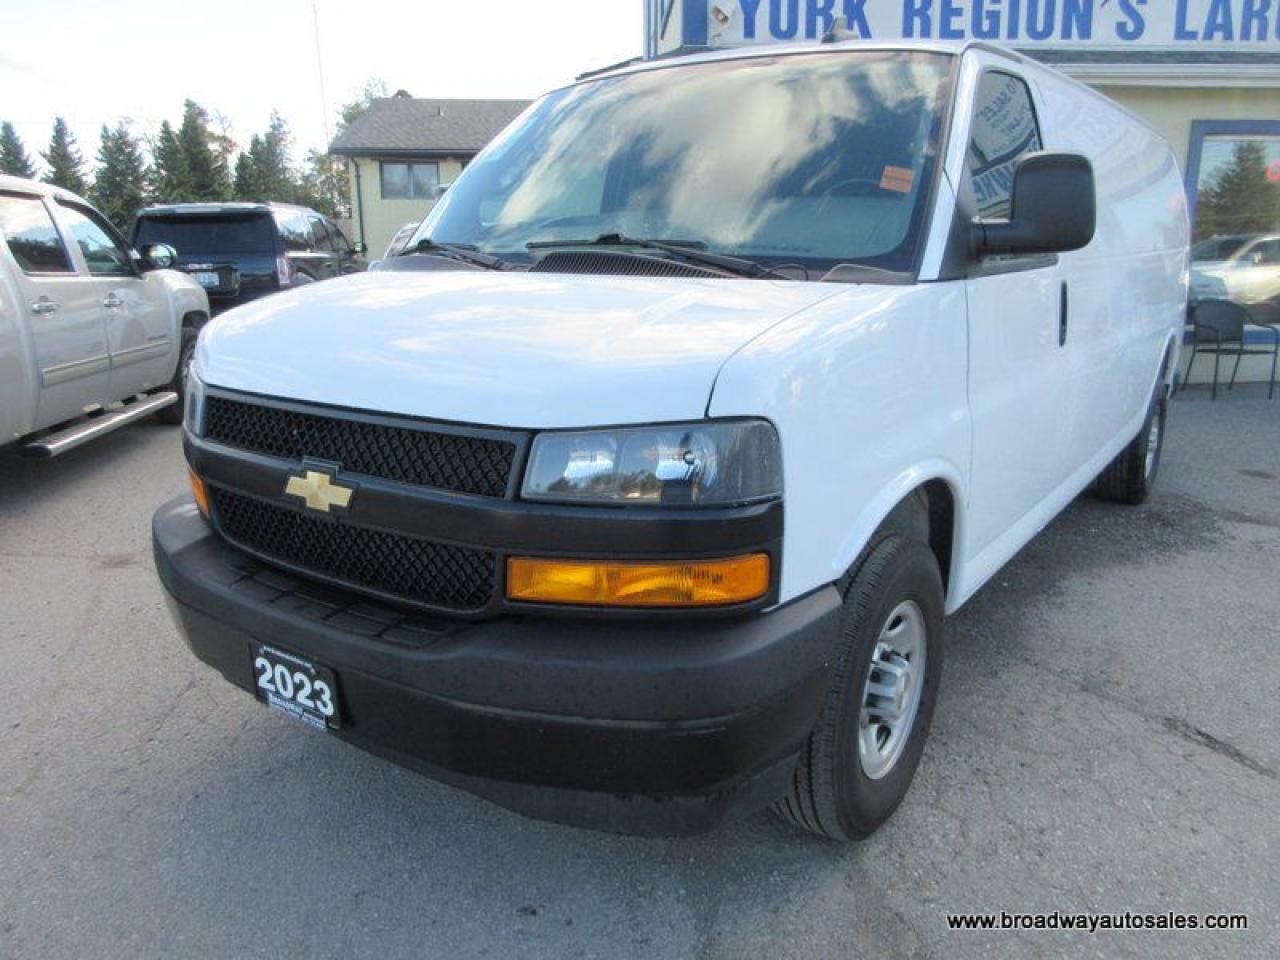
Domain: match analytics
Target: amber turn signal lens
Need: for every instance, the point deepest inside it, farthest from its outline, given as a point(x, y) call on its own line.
point(201, 494)
point(699, 583)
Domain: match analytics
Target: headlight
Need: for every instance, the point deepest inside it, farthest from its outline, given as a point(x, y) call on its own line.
point(193, 414)
point(703, 463)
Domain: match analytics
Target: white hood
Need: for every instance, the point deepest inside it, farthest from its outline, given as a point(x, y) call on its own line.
point(506, 349)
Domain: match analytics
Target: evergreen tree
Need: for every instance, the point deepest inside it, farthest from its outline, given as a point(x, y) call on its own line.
point(120, 183)
point(207, 167)
point(66, 166)
point(171, 178)
point(273, 175)
point(265, 171)
point(246, 182)
point(13, 155)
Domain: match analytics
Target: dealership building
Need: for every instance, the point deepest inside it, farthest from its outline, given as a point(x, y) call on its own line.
point(1204, 73)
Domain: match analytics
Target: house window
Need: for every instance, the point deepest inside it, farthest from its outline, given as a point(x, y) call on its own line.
point(1233, 181)
point(409, 180)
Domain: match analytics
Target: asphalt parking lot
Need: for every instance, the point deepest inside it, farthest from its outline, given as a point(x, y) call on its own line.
point(1107, 739)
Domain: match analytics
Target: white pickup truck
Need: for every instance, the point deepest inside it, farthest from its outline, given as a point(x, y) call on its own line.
point(635, 493)
point(93, 336)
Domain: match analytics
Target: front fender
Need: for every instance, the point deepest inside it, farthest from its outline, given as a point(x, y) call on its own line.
point(186, 297)
point(869, 393)
point(894, 492)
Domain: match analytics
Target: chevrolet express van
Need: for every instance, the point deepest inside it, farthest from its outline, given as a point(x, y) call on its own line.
point(636, 492)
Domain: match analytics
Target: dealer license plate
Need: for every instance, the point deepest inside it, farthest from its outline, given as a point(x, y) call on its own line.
point(206, 279)
point(304, 690)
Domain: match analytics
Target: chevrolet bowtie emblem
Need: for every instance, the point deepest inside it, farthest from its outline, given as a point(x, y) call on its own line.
point(318, 491)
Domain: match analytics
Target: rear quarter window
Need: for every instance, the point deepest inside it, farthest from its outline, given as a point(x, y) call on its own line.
point(295, 231)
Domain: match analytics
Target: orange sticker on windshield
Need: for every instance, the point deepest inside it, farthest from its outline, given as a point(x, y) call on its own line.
point(897, 179)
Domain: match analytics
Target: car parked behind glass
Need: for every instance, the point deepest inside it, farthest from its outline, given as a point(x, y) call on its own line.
point(241, 251)
point(1244, 268)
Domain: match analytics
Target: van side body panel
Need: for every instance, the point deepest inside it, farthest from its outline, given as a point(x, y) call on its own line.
point(889, 368)
point(1127, 288)
point(1126, 298)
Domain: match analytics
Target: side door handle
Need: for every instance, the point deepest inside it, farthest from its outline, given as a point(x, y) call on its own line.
point(1062, 316)
point(44, 305)
point(111, 300)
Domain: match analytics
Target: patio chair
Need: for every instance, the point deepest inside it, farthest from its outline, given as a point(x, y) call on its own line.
point(1219, 328)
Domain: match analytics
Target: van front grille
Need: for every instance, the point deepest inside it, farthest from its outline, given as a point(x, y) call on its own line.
point(397, 567)
point(457, 462)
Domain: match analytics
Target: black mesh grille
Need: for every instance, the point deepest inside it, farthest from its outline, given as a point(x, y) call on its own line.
point(605, 262)
point(419, 571)
point(446, 461)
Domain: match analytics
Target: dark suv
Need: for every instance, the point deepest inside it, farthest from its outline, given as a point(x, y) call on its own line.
point(239, 251)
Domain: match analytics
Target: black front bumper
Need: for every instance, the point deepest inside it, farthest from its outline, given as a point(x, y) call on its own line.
point(648, 727)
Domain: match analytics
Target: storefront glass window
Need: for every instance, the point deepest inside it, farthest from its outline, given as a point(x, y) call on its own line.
point(1236, 232)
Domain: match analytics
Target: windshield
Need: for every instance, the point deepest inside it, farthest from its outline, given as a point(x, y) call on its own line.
point(812, 159)
point(209, 235)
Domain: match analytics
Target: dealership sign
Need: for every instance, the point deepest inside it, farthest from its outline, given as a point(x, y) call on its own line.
point(1159, 24)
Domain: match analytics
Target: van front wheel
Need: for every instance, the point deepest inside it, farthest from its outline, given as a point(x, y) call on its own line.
point(864, 750)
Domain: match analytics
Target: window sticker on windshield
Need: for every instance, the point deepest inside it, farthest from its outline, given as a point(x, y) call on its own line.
point(897, 179)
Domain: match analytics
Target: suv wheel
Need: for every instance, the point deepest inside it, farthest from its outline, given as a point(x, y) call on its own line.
point(863, 752)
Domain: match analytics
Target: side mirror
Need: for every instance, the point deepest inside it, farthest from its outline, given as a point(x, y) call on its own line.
point(158, 256)
point(360, 247)
point(1054, 208)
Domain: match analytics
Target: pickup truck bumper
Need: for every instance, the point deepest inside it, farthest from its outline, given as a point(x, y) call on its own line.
point(639, 726)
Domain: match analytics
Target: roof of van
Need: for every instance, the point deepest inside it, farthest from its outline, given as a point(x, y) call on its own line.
point(681, 57)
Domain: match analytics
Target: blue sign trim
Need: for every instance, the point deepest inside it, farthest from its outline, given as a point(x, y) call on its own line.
point(694, 23)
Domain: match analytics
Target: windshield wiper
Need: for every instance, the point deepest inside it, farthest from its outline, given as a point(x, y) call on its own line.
point(686, 250)
point(456, 251)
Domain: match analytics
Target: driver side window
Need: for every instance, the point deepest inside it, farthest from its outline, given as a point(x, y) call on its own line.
point(105, 254)
point(1004, 128)
point(1267, 253)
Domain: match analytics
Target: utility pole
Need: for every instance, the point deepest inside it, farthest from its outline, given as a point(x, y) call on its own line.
point(324, 101)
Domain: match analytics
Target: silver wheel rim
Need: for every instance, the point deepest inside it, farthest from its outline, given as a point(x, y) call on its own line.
point(891, 697)
point(1153, 445)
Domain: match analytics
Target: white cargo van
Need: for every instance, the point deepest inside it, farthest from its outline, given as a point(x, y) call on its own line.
point(636, 491)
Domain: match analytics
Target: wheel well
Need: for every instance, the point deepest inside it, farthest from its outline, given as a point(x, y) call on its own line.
point(942, 525)
point(927, 514)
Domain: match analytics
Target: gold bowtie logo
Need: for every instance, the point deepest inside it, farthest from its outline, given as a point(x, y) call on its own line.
point(318, 491)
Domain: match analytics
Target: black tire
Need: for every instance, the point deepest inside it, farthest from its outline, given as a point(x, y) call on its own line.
point(831, 794)
point(173, 414)
point(1130, 477)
